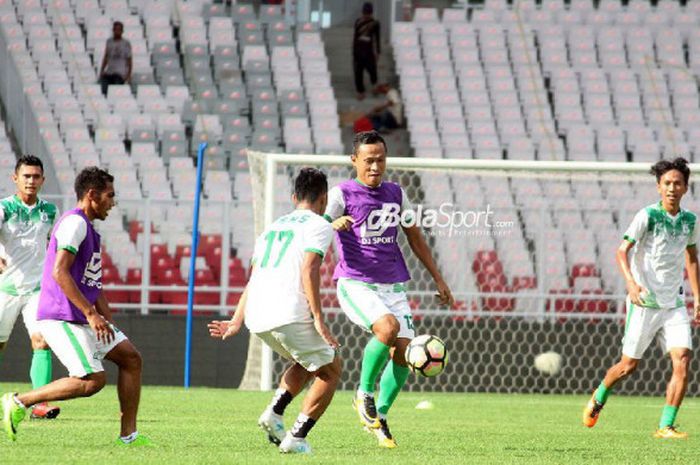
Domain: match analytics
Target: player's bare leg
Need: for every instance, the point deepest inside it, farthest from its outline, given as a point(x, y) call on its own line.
point(322, 389)
point(625, 367)
point(128, 359)
point(41, 374)
point(65, 388)
point(294, 379)
point(675, 392)
point(315, 403)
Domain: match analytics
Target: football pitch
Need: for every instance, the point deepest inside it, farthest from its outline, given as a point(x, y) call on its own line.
point(218, 426)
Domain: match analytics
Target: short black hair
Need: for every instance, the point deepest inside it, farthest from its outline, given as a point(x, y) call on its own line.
point(118, 23)
point(91, 177)
point(29, 160)
point(662, 167)
point(310, 184)
point(367, 8)
point(367, 137)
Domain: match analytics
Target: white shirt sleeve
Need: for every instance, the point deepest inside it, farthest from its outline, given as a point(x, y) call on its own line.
point(336, 204)
point(71, 233)
point(693, 238)
point(638, 228)
point(318, 237)
point(258, 249)
point(2, 216)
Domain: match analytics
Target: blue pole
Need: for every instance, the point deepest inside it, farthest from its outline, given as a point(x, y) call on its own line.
point(193, 256)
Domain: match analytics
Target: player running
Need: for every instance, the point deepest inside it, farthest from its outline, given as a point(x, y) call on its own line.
point(662, 238)
point(75, 318)
point(25, 224)
point(282, 305)
point(371, 273)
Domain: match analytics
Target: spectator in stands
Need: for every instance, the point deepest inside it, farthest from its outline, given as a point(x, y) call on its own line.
point(365, 48)
point(116, 62)
point(388, 115)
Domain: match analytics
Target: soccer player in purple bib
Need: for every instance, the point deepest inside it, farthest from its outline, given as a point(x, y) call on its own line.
point(371, 273)
point(74, 316)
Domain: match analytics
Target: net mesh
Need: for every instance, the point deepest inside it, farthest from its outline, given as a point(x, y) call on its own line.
point(530, 257)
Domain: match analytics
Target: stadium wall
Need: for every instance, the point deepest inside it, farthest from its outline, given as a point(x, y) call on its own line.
point(161, 341)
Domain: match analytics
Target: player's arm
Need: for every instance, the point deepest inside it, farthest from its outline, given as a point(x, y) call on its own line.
point(622, 257)
point(225, 329)
point(104, 62)
point(422, 251)
point(103, 308)
point(130, 66)
point(61, 274)
point(691, 264)
point(311, 282)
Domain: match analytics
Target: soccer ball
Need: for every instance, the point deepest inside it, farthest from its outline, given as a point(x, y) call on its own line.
point(426, 355)
point(548, 363)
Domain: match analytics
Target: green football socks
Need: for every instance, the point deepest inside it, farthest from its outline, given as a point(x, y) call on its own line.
point(602, 393)
point(40, 372)
point(668, 416)
point(393, 379)
point(376, 355)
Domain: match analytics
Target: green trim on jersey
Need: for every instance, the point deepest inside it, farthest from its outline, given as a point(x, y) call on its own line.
point(78, 349)
point(316, 251)
point(8, 288)
point(661, 222)
point(629, 239)
point(328, 218)
point(69, 248)
point(396, 287)
point(15, 211)
point(24, 232)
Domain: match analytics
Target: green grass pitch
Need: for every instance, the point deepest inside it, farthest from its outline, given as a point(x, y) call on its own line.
point(218, 426)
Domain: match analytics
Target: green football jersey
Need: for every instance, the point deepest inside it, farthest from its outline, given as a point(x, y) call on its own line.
point(658, 259)
point(24, 232)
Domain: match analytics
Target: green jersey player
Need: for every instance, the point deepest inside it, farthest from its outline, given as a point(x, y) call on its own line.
point(660, 241)
point(25, 224)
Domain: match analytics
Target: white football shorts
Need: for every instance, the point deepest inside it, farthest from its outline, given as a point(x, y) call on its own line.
point(642, 324)
point(77, 347)
point(365, 303)
point(10, 308)
point(299, 342)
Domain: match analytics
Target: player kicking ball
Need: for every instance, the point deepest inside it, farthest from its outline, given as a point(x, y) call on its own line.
point(370, 277)
point(665, 236)
point(25, 224)
point(75, 318)
point(282, 305)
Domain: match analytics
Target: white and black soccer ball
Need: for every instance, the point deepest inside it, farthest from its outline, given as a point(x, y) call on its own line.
point(426, 355)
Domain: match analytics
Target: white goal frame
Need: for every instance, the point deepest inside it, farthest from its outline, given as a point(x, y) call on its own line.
point(264, 166)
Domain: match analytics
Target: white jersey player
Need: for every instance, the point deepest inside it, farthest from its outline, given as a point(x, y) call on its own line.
point(25, 224)
point(659, 243)
point(282, 306)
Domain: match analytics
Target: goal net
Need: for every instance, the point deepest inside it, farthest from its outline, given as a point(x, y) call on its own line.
point(528, 249)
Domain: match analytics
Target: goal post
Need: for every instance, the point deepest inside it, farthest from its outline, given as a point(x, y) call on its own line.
point(527, 248)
